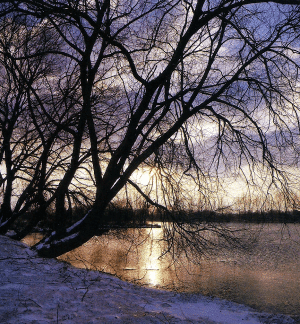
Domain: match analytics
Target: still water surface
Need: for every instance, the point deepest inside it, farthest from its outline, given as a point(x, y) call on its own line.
point(265, 276)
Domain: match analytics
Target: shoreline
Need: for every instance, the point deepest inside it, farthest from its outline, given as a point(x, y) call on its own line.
point(37, 290)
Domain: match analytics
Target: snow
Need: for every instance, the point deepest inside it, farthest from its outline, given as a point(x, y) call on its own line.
point(36, 290)
point(74, 226)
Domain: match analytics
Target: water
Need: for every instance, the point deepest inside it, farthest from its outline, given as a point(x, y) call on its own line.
point(265, 276)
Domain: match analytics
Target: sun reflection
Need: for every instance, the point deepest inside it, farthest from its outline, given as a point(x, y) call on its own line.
point(152, 263)
point(152, 268)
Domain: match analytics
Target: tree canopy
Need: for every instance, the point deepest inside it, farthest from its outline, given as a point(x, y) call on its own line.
point(92, 91)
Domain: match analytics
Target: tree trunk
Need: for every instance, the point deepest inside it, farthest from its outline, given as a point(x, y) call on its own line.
point(79, 233)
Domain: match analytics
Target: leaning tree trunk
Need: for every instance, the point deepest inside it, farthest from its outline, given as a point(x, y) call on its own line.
point(60, 242)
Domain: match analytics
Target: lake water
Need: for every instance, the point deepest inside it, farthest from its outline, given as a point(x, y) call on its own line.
point(265, 276)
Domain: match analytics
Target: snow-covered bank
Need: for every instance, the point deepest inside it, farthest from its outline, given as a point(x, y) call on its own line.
point(36, 290)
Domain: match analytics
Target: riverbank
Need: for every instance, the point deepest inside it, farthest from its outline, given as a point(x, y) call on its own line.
point(36, 290)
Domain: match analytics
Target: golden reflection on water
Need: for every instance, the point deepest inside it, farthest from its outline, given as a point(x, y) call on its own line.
point(152, 267)
point(266, 277)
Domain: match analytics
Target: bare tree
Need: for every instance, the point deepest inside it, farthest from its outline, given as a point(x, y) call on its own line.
point(198, 88)
point(38, 111)
point(21, 146)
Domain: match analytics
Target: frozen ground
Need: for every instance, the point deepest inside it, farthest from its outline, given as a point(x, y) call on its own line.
point(36, 290)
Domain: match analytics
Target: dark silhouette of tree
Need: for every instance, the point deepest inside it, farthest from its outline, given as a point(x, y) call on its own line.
point(197, 88)
point(39, 109)
point(23, 150)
